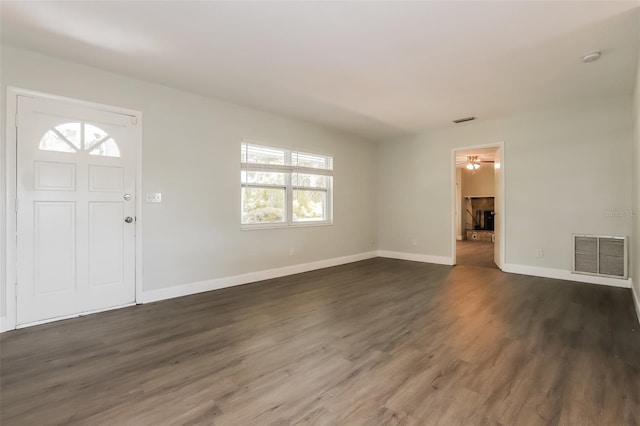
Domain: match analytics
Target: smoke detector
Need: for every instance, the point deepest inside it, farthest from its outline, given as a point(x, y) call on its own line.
point(591, 56)
point(463, 120)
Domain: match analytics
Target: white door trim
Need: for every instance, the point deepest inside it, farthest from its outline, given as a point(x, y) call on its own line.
point(8, 322)
point(501, 216)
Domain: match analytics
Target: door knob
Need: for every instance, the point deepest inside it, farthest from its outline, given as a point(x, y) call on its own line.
point(128, 219)
point(127, 197)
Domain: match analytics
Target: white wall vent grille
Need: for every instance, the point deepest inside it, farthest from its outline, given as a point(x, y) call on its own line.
point(597, 255)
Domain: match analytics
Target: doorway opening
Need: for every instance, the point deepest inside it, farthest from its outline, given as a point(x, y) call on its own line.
point(478, 195)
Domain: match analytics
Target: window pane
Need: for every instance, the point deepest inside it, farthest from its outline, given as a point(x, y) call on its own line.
point(71, 132)
point(262, 155)
point(106, 149)
point(313, 181)
point(309, 206)
point(310, 160)
point(265, 178)
point(263, 205)
point(92, 134)
point(270, 194)
point(52, 142)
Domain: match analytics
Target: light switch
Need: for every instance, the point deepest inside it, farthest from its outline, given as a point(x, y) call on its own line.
point(153, 197)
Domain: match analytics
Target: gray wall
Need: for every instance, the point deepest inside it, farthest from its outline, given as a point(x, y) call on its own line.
point(564, 168)
point(191, 147)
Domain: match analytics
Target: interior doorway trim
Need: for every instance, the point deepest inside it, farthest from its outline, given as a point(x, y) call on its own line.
point(9, 320)
point(501, 216)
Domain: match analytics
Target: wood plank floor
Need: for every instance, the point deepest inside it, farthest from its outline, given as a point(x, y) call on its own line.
point(475, 253)
point(370, 343)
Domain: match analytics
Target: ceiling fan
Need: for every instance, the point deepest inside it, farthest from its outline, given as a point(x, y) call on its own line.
point(473, 163)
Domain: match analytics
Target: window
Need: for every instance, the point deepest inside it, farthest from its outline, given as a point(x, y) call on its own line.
point(76, 137)
point(284, 188)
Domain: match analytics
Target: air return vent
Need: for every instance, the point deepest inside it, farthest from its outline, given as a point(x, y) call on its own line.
point(595, 255)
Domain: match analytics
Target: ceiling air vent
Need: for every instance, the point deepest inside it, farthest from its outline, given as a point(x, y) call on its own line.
point(605, 256)
point(463, 120)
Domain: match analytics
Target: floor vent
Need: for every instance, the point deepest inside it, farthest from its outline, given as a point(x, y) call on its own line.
point(595, 255)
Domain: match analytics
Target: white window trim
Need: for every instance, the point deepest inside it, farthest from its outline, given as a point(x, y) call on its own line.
point(288, 170)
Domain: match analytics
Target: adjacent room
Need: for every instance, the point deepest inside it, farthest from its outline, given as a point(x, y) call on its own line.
point(320, 213)
point(475, 196)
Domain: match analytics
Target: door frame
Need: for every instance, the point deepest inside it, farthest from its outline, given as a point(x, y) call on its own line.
point(9, 321)
point(501, 217)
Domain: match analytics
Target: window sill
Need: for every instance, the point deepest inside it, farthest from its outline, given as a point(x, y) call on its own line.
point(283, 226)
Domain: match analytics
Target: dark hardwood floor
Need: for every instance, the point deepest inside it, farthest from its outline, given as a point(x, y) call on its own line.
point(370, 343)
point(475, 253)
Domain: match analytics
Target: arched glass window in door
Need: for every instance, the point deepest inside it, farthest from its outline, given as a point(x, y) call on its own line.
point(76, 137)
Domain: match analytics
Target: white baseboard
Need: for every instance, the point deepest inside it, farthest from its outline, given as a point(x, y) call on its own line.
point(223, 282)
point(636, 300)
point(416, 257)
point(218, 283)
point(561, 274)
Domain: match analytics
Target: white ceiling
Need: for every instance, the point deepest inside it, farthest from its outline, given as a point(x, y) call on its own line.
point(379, 69)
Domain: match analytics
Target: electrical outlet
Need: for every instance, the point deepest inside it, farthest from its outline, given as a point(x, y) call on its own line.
point(153, 197)
point(539, 253)
point(292, 251)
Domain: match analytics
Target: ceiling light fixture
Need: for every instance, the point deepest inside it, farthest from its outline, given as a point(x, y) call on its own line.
point(473, 163)
point(591, 56)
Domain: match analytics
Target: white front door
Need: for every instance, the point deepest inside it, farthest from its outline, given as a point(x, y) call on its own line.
point(75, 209)
point(497, 207)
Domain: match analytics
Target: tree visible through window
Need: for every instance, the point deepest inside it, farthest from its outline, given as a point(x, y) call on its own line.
point(282, 187)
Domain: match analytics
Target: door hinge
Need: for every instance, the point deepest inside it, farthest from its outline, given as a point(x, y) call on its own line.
point(17, 119)
point(134, 120)
point(17, 205)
